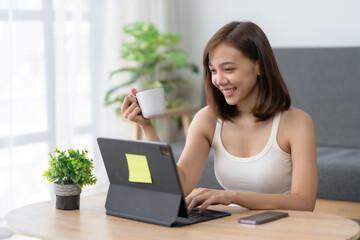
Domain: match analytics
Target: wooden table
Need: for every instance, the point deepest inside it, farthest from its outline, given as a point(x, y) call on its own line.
point(342, 208)
point(42, 220)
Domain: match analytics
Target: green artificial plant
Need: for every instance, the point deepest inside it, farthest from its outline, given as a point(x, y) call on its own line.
point(69, 167)
point(158, 62)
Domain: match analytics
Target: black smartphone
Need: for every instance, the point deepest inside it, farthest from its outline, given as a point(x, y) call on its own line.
point(263, 217)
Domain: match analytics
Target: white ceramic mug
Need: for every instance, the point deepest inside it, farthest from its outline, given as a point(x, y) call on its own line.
point(151, 102)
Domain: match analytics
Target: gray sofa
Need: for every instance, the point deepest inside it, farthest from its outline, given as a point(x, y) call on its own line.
point(325, 83)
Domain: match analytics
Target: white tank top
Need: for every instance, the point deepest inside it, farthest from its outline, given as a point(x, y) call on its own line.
point(267, 172)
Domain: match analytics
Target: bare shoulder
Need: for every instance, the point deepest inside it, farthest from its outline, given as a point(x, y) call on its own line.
point(206, 113)
point(205, 118)
point(296, 125)
point(295, 117)
point(204, 123)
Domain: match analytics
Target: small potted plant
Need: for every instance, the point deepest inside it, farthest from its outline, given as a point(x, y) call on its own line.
point(69, 170)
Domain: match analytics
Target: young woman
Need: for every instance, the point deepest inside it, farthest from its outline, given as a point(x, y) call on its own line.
point(265, 150)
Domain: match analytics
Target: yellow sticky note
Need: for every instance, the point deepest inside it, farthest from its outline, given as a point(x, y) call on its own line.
point(138, 168)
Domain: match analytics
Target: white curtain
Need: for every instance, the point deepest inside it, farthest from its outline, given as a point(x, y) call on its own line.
point(55, 58)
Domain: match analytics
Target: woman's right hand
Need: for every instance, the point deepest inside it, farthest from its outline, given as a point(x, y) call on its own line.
point(131, 110)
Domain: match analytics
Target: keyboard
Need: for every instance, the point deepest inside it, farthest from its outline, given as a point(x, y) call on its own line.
point(196, 216)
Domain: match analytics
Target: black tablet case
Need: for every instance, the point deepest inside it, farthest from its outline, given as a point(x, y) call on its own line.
point(160, 202)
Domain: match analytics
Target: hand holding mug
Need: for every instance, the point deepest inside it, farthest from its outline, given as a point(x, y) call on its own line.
point(140, 106)
point(130, 109)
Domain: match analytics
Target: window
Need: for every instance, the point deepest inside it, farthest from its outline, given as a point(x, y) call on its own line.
point(49, 51)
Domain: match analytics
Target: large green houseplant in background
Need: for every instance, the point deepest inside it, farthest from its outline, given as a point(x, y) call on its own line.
point(158, 65)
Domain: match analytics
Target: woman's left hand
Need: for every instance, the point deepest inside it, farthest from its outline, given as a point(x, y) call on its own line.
point(204, 197)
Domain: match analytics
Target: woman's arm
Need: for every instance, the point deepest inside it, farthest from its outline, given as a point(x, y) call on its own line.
point(302, 143)
point(197, 147)
point(204, 197)
point(130, 110)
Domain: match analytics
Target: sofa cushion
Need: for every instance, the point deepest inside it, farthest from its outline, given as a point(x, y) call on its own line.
point(339, 173)
point(324, 82)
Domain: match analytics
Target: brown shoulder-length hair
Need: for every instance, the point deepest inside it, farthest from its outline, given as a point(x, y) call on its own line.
point(253, 43)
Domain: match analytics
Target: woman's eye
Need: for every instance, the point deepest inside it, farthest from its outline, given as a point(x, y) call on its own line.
point(229, 69)
point(212, 71)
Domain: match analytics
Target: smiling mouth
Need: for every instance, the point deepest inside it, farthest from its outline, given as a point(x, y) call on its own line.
point(228, 90)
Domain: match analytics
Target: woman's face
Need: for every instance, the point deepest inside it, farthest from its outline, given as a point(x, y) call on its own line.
point(234, 75)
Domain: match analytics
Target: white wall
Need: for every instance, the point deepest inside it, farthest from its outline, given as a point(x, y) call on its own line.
point(286, 23)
